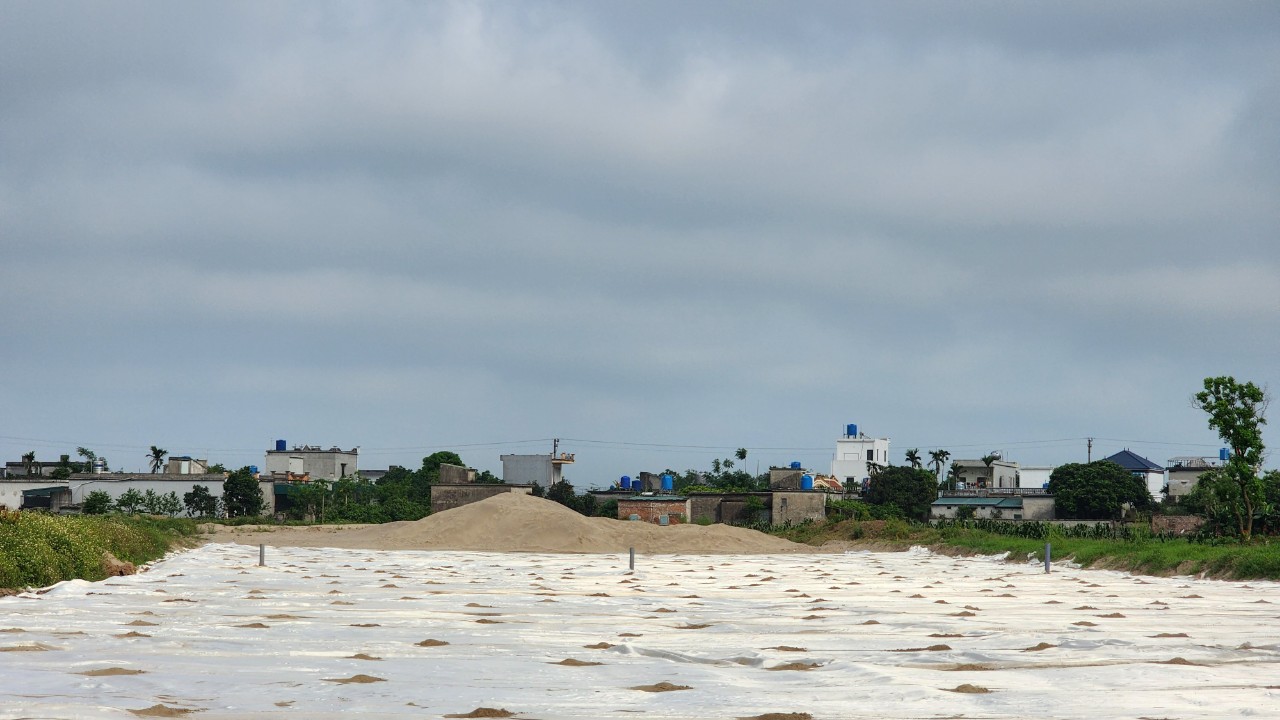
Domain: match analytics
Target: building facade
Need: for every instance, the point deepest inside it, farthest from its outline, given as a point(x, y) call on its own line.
point(854, 456)
point(311, 460)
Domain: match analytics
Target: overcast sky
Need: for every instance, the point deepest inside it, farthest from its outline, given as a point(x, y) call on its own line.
point(688, 226)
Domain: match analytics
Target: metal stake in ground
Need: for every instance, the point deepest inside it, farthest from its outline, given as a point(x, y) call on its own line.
point(1047, 550)
point(633, 558)
point(262, 555)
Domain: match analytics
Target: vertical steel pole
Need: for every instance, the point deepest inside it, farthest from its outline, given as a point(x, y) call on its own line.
point(1047, 550)
point(262, 555)
point(633, 558)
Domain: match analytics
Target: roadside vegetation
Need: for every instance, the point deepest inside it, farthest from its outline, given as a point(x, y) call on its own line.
point(39, 549)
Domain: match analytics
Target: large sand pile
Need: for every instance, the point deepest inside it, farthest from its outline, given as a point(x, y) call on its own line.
point(515, 522)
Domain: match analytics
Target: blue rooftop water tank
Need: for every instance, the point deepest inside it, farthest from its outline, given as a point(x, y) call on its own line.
point(851, 430)
point(795, 465)
point(637, 485)
point(280, 446)
point(668, 483)
point(625, 482)
point(253, 469)
point(1224, 454)
point(806, 482)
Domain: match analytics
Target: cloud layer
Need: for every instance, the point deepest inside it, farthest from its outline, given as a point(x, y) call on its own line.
point(405, 227)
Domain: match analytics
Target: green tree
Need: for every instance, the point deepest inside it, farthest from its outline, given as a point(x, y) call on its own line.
point(97, 502)
point(200, 502)
point(29, 463)
point(1238, 412)
point(912, 490)
point(157, 458)
point(562, 492)
point(741, 454)
point(241, 494)
point(217, 468)
point(170, 504)
point(129, 501)
point(485, 477)
point(913, 458)
point(1099, 490)
point(151, 502)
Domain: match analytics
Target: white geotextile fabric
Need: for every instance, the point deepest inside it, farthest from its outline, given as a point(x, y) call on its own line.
point(884, 635)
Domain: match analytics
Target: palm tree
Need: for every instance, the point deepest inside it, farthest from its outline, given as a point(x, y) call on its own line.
point(741, 454)
point(157, 458)
point(913, 458)
point(29, 462)
point(938, 458)
point(988, 460)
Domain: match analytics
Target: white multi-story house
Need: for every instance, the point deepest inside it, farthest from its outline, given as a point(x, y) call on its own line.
point(855, 454)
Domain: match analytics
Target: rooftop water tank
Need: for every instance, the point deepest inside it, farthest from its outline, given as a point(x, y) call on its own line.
point(281, 446)
point(806, 482)
point(1224, 454)
point(795, 465)
point(625, 482)
point(851, 430)
point(253, 469)
point(668, 483)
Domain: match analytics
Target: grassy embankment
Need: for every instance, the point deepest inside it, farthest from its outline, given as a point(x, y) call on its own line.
point(1143, 555)
point(37, 549)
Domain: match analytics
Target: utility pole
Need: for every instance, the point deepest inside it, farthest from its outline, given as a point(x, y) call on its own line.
point(555, 445)
point(1090, 455)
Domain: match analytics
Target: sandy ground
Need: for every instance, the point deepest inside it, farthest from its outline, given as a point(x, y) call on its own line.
point(513, 523)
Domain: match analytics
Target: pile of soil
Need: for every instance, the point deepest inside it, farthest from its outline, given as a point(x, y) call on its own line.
point(512, 522)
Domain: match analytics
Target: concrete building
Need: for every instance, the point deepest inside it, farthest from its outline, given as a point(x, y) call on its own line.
point(855, 453)
point(1150, 473)
point(40, 468)
point(447, 497)
point(1183, 473)
point(976, 475)
point(1001, 504)
point(183, 465)
point(776, 507)
point(545, 470)
point(456, 474)
point(1034, 476)
point(312, 461)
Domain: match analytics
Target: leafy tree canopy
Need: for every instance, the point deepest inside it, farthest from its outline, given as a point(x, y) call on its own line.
point(1096, 491)
point(241, 494)
point(1238, 412)
point(912, 490)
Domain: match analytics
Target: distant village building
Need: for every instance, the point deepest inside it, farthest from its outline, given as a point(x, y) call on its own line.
point(1007, 504)
point(854, 456)
point(976, 474)
point(311, 461)
point(184, 465)
point(1151, 474)
point(545, 470)
point(1182, 474)
point(457, 487)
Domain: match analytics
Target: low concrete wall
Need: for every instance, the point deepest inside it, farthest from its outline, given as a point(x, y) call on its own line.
point(447, 497)
point(652, 511)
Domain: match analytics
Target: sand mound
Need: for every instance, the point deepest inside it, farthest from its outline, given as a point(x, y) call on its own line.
point(512, 522)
